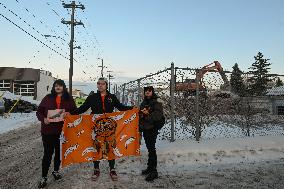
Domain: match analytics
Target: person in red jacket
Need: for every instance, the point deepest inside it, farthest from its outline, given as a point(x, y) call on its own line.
point(51, 127)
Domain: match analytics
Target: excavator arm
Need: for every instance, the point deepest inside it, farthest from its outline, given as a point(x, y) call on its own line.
point(216, 68)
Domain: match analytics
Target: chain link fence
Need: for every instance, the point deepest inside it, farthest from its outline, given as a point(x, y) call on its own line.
point(199, 104)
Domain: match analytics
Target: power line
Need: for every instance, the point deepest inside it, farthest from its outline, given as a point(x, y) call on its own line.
point(88, 42)
point(84, 56)
point(33, 28)
point(61, 18)
point(98, 45)
point(33, 36)
point(46, 25)
point(62, 2)
point(72, 23)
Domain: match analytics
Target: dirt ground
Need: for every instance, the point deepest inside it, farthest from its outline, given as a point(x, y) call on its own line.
point(20, 167)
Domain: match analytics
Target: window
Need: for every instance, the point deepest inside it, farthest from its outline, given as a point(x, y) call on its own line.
point(24, 88)
point(280, 110)
point(4, 85)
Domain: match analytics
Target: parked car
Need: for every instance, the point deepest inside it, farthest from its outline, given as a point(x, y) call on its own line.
point(2, 106)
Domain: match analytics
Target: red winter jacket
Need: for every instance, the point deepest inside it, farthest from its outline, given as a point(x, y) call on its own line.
point(49, 103)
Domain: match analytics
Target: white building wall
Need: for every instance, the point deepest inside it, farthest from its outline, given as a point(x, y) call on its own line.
point(44, 86)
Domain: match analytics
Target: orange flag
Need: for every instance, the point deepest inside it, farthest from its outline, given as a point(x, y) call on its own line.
point(87, 138)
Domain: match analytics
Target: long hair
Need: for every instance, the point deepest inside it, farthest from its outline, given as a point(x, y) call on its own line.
point(65, 94)
point(151, 88)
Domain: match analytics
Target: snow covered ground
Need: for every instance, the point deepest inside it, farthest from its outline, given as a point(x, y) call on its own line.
point(219, 130)
point(250, 162)
point(187, 154)
point(16, 120)
point(214, 162)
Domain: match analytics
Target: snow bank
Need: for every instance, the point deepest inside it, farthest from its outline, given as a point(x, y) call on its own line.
point(17, 120)
point(186, 155)
point(12, 96)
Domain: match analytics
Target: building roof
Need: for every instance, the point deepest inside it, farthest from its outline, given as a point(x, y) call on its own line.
point(19, 74)
point(276, 91)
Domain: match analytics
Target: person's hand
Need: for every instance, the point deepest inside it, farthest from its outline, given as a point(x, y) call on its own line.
point(45, 120)
point(66, 114)
point(145, 111)
point(135, 107)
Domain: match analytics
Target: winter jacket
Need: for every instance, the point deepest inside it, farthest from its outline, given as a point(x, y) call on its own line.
point(155, 106)
point(94, 101)
point(49, 103)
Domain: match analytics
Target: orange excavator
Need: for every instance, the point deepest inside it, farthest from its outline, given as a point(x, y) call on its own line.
point(189, 86)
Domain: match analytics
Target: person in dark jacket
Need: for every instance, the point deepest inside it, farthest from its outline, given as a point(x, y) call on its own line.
point(59, 98)
point(151, 111)
point(102, 102)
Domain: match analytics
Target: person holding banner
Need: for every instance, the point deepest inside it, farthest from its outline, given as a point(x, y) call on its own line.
point(151, 120)
point(51, 113)
point(102, 102)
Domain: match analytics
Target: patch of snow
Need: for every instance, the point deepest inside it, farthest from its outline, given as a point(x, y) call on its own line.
point(17, 120)
point(276, 91)
point(187, 154)
point(12, 96)
point(219, 130)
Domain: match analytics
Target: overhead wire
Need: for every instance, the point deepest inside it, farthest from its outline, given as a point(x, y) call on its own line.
point(33, 36)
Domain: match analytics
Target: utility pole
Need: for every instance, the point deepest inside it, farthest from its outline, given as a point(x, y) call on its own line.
point(109, 78)
point(73, 23)
point(172, 102)
point(102, 67)
point(115, 89)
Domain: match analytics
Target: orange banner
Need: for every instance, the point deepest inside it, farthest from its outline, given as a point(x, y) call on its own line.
point(87, 138)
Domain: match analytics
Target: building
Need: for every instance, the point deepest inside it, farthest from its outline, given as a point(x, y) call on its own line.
point(277, 94)
point(31, 82)
point(77, 93)
point(79, 97)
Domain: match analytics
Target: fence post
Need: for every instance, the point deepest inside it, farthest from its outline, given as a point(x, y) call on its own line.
point(172, 102)
point(139, 89)
point(123, 94)
point(197, 121)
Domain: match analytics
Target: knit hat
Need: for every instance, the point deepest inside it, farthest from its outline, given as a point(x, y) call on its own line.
point(103, 79)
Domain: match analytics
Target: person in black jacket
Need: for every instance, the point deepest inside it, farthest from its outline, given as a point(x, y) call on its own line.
point(102, 102)
point(151, 112)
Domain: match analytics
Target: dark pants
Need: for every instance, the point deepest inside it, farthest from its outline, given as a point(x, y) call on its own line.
point(150, 137)
point(51, 144)
point(110, 162)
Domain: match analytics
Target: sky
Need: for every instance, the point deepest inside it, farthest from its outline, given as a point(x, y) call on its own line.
point(137, 37)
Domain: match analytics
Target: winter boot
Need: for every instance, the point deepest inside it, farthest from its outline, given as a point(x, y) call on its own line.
point(56, 175)
point(43, 182)
point(113, 175)
point(146, 171)
point(96, 174)
point(152, 176)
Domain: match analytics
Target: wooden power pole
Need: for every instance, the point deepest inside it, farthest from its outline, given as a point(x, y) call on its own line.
point(109, 78)
point(102, 67)
point(73, 23)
